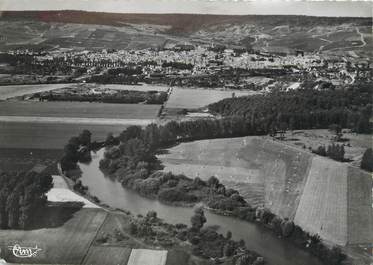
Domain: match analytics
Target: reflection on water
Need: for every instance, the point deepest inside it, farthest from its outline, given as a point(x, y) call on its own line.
point(110, 192)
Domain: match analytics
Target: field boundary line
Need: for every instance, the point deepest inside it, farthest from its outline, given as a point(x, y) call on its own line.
point(91, 243)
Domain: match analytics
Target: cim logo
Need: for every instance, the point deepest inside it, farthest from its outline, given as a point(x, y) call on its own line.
point(24, 252)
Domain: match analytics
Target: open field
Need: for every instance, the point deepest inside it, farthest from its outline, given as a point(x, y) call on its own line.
point(354, 144)
point(249, 164)
point(61, 193)
point(25, 159)
point(79, 110)
point(143, 87)
point(25, 135)
point(189, 98)
point(336, 203)
point(49, 125)
point(360, 212)
point(147, 257)
point(326, 197)
point(66, 244)
point(107, 255)
point(323, 204)
point(81, 121)
point(20, 90)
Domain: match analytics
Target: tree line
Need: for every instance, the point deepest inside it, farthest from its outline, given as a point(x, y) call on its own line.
point(21, 194)
point(124, 97)
point(303, 109)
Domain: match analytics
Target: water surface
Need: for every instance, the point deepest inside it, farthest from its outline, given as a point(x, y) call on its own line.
point(276, 251)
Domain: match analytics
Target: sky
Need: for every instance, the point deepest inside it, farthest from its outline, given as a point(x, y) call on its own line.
point(235, 7)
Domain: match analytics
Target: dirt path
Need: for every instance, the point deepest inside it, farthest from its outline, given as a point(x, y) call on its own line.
point(361, 38)
point(93, 240)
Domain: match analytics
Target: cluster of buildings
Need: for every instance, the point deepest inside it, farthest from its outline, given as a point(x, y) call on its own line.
point(196, 61)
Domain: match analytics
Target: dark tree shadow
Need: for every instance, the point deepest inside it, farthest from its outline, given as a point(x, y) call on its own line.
point(54, 215)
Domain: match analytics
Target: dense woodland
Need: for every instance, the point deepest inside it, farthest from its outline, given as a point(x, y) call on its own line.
point(303, 109)
point(21, 195)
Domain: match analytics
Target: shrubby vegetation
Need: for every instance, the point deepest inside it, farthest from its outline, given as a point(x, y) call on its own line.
point(303, 239)
point(367, 160)
point(334, 151)
point(21, 195)
point(123, 96)
point(77, 149)
point(194, 240)
point(121, 75)
point(134, 164)
point(178, 65)
point(208, 243)
point(303, 109)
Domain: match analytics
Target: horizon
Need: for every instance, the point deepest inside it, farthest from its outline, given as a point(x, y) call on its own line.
point(203, 7)
point(202, 14)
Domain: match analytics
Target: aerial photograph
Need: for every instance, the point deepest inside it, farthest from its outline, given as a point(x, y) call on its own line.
point(186, 132)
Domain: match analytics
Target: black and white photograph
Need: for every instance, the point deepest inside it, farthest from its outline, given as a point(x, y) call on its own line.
point(186, 132)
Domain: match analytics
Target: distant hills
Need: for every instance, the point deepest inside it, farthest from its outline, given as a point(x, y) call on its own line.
point(128, 31)
point(181, 23)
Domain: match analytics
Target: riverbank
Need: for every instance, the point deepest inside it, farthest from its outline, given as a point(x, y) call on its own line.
point(133, 163)
point(169, 188)
point(256, 237)
point(150, 232)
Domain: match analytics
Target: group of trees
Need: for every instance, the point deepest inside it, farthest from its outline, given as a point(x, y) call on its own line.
point(158, 136)
point(21, 195)
point(124, 97)
point(205, 242)
point(134, 164)
point(367, 160)
point(178, 65)
point(334, 151)
point(286, 228)
point(77, 149)
point(121, 75)
point(303, 109)
point(210, 244)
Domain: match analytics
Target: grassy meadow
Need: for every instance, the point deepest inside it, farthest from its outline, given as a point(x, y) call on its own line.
point(252, 165)
point(192, 98)
point(66, 244)
point(78, 110)
point(20, 90)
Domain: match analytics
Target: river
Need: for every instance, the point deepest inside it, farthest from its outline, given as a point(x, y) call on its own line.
point(276, 251)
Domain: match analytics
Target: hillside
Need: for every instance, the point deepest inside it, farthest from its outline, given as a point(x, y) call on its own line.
point(74, 29)
point(325, 197)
